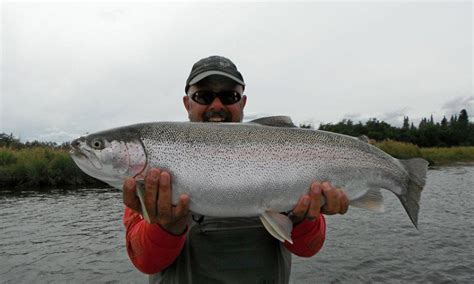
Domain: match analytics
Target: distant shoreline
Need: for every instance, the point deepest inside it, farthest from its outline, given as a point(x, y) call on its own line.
point(50, 168)
point(41, 167)
point(436, 156)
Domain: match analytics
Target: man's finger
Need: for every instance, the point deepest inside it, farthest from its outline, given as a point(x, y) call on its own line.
point(151, 190)
point(164, 201)
point(315, 205)
point(182, 209)
point(130, 199)
point(299, 212)
point(332, 205)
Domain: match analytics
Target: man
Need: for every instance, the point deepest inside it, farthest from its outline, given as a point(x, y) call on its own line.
point(180, 248)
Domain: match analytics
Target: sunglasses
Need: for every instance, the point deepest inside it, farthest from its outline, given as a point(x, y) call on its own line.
point(207, 97)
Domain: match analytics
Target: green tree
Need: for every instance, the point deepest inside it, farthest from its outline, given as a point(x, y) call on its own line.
point(444, 122)
point(463, 119)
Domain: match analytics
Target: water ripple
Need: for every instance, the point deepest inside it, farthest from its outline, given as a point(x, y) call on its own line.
point(64, 236)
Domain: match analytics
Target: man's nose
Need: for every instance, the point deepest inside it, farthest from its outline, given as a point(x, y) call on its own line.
point(216, 104)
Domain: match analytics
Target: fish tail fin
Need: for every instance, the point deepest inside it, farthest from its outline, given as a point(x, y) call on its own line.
point(410, 199)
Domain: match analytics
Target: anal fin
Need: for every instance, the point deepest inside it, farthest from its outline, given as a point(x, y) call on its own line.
point(372, 200)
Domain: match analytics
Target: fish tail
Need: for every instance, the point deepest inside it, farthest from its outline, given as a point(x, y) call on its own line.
point(410, 199)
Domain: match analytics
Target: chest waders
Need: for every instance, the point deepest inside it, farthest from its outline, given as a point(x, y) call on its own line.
point(231, 250)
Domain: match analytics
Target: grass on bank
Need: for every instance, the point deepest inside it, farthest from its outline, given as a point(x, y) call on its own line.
point(40, 167)
point(443, 156)
point(436, 156)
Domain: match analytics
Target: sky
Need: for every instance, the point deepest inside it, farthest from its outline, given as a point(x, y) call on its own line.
point(78, 67)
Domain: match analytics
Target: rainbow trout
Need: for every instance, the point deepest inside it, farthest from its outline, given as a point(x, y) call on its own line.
point(259, 168)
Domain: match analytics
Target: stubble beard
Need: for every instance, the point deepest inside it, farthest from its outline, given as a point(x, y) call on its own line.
point(215, 116)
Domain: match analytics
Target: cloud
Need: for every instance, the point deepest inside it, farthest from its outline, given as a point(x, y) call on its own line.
point(93, 67)
point(455, 105)
point(395, 117)
point(53, 135)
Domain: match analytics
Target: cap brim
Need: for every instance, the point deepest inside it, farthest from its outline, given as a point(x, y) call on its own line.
point(214, 72)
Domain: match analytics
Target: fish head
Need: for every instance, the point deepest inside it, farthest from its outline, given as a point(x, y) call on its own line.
point(110, 156)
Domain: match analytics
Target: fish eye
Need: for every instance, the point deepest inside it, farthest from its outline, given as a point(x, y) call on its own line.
point(97, 144)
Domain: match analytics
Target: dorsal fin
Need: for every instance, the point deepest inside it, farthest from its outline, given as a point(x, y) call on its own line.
point(364, 138)
point(279, 121)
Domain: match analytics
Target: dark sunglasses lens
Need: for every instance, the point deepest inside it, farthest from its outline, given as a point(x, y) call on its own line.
point(229, 98)
point(206, 98)
point(203, 98)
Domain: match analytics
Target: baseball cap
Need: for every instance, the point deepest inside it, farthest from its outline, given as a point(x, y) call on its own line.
point(214, 65)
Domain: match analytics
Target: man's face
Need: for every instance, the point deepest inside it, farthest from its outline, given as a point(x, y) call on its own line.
point(216, 111)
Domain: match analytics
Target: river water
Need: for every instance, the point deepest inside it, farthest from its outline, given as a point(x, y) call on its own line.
point(77, 236)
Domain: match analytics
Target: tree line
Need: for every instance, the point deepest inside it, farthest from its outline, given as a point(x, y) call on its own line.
point(457, 131)
point(45, 164)
point(10, 141)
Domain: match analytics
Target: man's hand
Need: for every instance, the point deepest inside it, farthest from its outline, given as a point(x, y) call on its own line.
point(158, 201)
point(309, 205)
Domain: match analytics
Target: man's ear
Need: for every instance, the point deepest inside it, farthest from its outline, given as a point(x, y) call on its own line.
point(186, 102)
point(243, 101)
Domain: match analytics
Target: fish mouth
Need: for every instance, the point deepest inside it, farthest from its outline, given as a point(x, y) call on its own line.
point(80, 154)
point(74, 148)
point(76, 143)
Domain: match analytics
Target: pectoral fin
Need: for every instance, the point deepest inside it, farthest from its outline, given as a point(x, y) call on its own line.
point(278, 225)
point(141, 195)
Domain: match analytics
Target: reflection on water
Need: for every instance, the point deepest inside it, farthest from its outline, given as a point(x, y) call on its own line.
point(64, 236)
point(77, 236)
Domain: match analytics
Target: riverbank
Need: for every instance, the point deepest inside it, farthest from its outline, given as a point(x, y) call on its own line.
point(40, 167)
point(436, 156)
point(43, 167)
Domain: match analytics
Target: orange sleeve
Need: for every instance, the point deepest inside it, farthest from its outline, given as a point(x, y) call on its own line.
point(150, 248)
point(308, 237)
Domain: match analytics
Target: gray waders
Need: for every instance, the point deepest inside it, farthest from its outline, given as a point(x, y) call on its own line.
point(231, 250)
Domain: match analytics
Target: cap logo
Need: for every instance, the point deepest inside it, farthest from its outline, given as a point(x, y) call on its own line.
point(224, 64)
